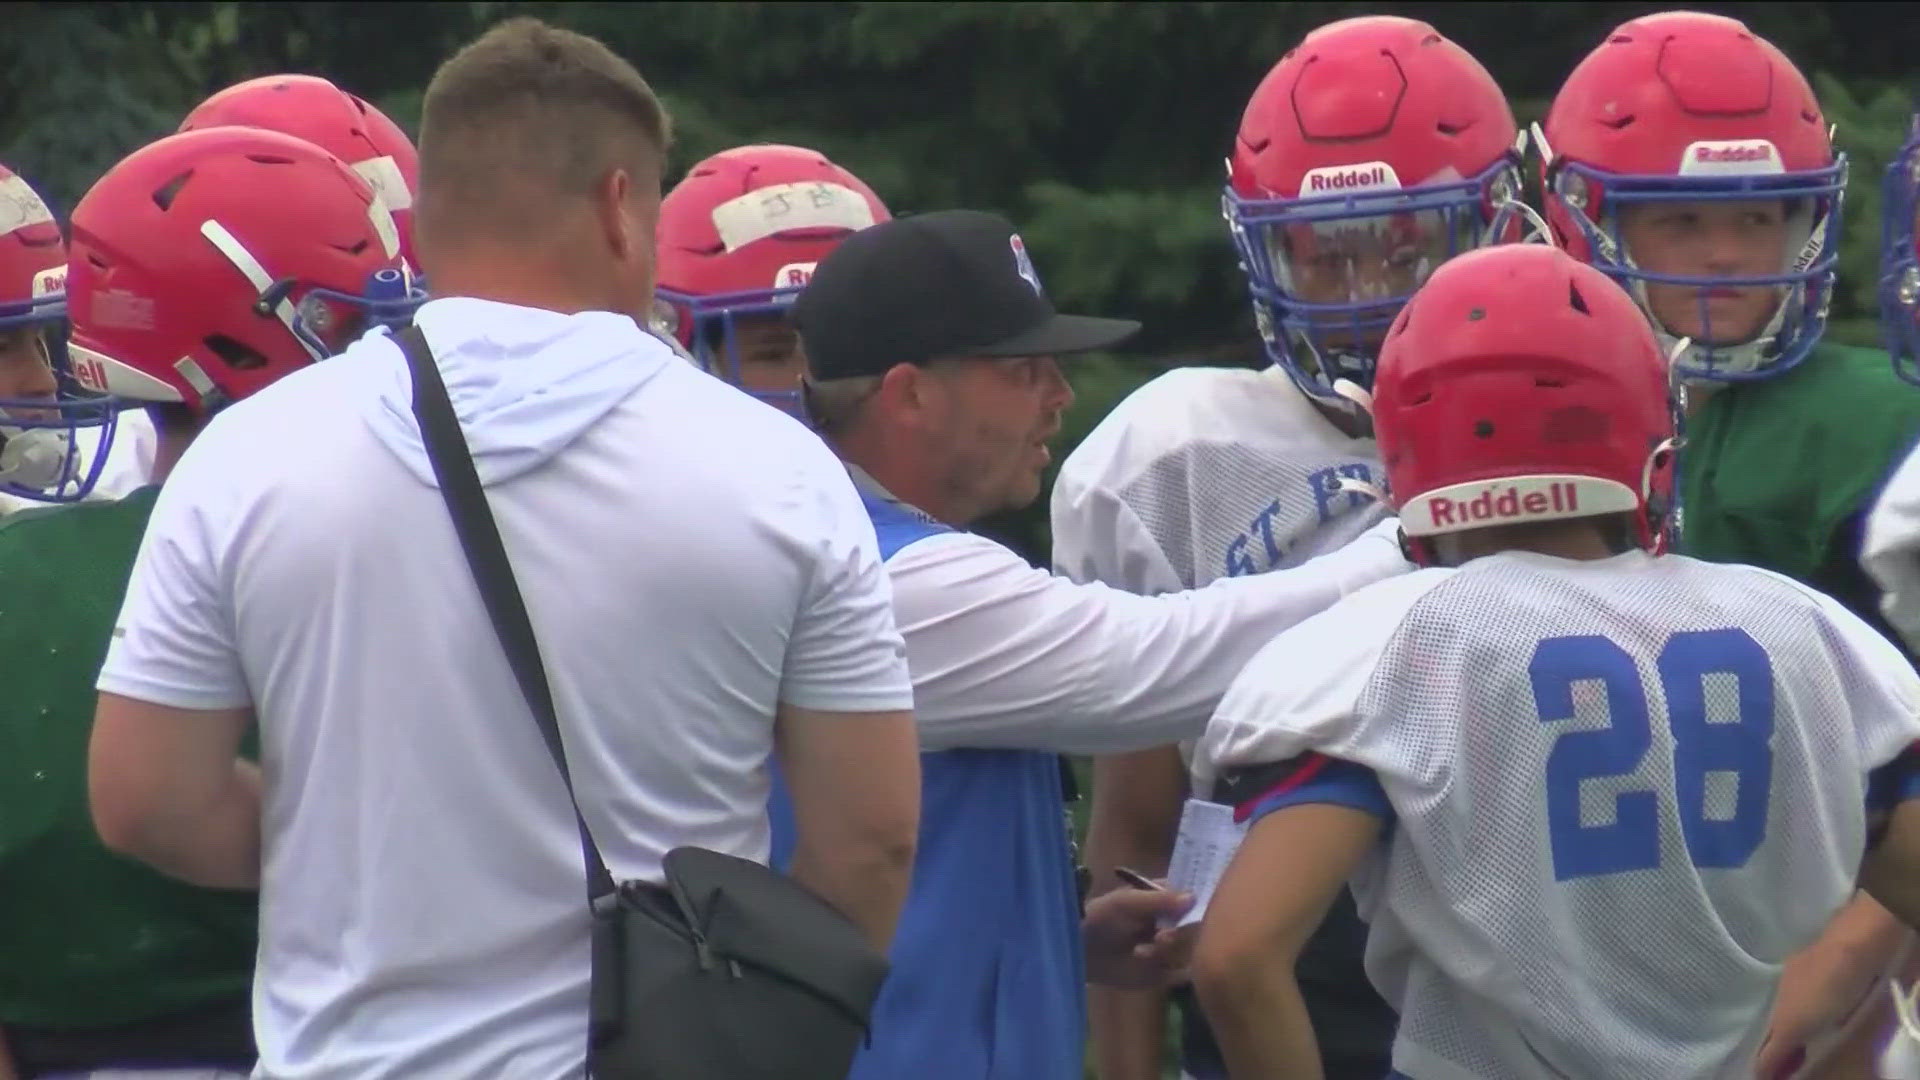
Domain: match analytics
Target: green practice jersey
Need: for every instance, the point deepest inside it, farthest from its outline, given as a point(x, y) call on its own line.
point(1780, 472)
point(87, 938)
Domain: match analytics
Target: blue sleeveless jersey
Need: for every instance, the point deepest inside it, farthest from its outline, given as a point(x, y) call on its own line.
point(987, 969)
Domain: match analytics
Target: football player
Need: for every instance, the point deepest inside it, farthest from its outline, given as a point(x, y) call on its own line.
point(1591, 797)
point(1369, 155)
point(1892, 549)
point(1688, 158)
point(739, 237)
point(57, 440)
point(203, 267)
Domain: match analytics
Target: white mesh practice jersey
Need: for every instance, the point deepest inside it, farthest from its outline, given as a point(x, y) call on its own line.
point(1623, 792)
point(1204, 473)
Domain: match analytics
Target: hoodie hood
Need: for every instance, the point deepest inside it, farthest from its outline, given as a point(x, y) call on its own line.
point(524, 382)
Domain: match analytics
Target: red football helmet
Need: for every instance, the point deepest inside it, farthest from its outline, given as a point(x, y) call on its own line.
point(1685, 106)
point(740, 235)
point(342, 124)
point(210, 263)
point(39, 457)
point(1518, 385)
point(1370, 154)
point(33, 258)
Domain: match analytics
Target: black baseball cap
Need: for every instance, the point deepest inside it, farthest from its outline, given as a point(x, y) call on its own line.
point(949, 283)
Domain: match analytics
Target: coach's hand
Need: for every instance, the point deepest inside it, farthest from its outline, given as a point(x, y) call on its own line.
point(1125, 947)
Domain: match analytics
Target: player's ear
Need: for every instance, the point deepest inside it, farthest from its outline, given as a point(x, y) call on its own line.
point(913, 390)
point(611, 206)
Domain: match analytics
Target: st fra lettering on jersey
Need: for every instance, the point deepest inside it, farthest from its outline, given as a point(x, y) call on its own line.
point(1329, 502)
point(1558, 498)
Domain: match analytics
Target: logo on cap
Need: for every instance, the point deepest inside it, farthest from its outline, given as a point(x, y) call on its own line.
point(1023, 265)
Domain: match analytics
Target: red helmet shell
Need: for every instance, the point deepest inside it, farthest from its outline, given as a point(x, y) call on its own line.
point(33, 258)
point(343, 124)
point(1362, 92)
point(1675, 93)
point(756, 219)
point(1520, 384)
point(162, 311)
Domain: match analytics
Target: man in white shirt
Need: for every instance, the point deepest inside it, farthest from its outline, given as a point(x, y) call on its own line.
point(931, 352)
point(422, 890)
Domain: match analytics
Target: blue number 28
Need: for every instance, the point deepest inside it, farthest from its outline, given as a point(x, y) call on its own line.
point(1740, 746)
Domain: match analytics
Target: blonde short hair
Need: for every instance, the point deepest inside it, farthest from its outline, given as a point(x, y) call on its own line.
point(526, 107)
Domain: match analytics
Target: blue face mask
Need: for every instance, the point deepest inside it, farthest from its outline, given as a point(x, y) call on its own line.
point(42, 436)
point(1900, 259)
point(715, 332)
point(1328, 273)
point(1810, 202)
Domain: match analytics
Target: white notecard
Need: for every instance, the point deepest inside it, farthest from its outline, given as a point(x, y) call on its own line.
point(1208, 838)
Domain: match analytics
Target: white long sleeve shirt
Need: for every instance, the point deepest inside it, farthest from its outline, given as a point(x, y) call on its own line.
point(1007, 655)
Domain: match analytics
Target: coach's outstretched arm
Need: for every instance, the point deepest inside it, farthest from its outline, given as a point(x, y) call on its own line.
point(1006, 655)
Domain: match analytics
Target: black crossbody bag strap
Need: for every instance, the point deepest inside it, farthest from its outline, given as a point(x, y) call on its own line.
point(493, 574)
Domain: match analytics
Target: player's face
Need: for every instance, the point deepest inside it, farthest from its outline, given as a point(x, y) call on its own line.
point(769, 353)
point(1358, 260)
point(25, 373)
point(993, 423)
point(1709, 239)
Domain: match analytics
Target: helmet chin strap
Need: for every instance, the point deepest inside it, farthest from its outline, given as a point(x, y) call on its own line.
point(242, 259)
point(1362, 402)
point(1538, 231)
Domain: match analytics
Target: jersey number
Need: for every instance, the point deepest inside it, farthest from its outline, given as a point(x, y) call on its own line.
point(1737, 747)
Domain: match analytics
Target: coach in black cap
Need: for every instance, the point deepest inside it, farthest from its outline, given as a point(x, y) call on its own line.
point(931, 361)
point(932, 357)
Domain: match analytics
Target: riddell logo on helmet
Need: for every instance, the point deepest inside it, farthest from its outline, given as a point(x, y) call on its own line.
point(89, 372)
point(793, 275)
point(1340, 179)
point(1492, 505)
point(1730, 157)
point(50, 281)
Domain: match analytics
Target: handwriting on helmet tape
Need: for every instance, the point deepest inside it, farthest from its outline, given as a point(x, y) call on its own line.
point(20, 207)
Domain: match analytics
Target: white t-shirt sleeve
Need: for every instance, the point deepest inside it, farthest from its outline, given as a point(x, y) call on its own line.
point(1006, 655)
point(1302, 691)
point(846, 654)
point(1890, 551)
point(174, 643)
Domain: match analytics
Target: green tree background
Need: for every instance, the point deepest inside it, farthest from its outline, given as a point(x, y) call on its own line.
point(1099, 127)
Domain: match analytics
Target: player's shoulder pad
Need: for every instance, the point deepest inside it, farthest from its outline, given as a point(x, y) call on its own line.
point(1159, 417)
point(1341, 645)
